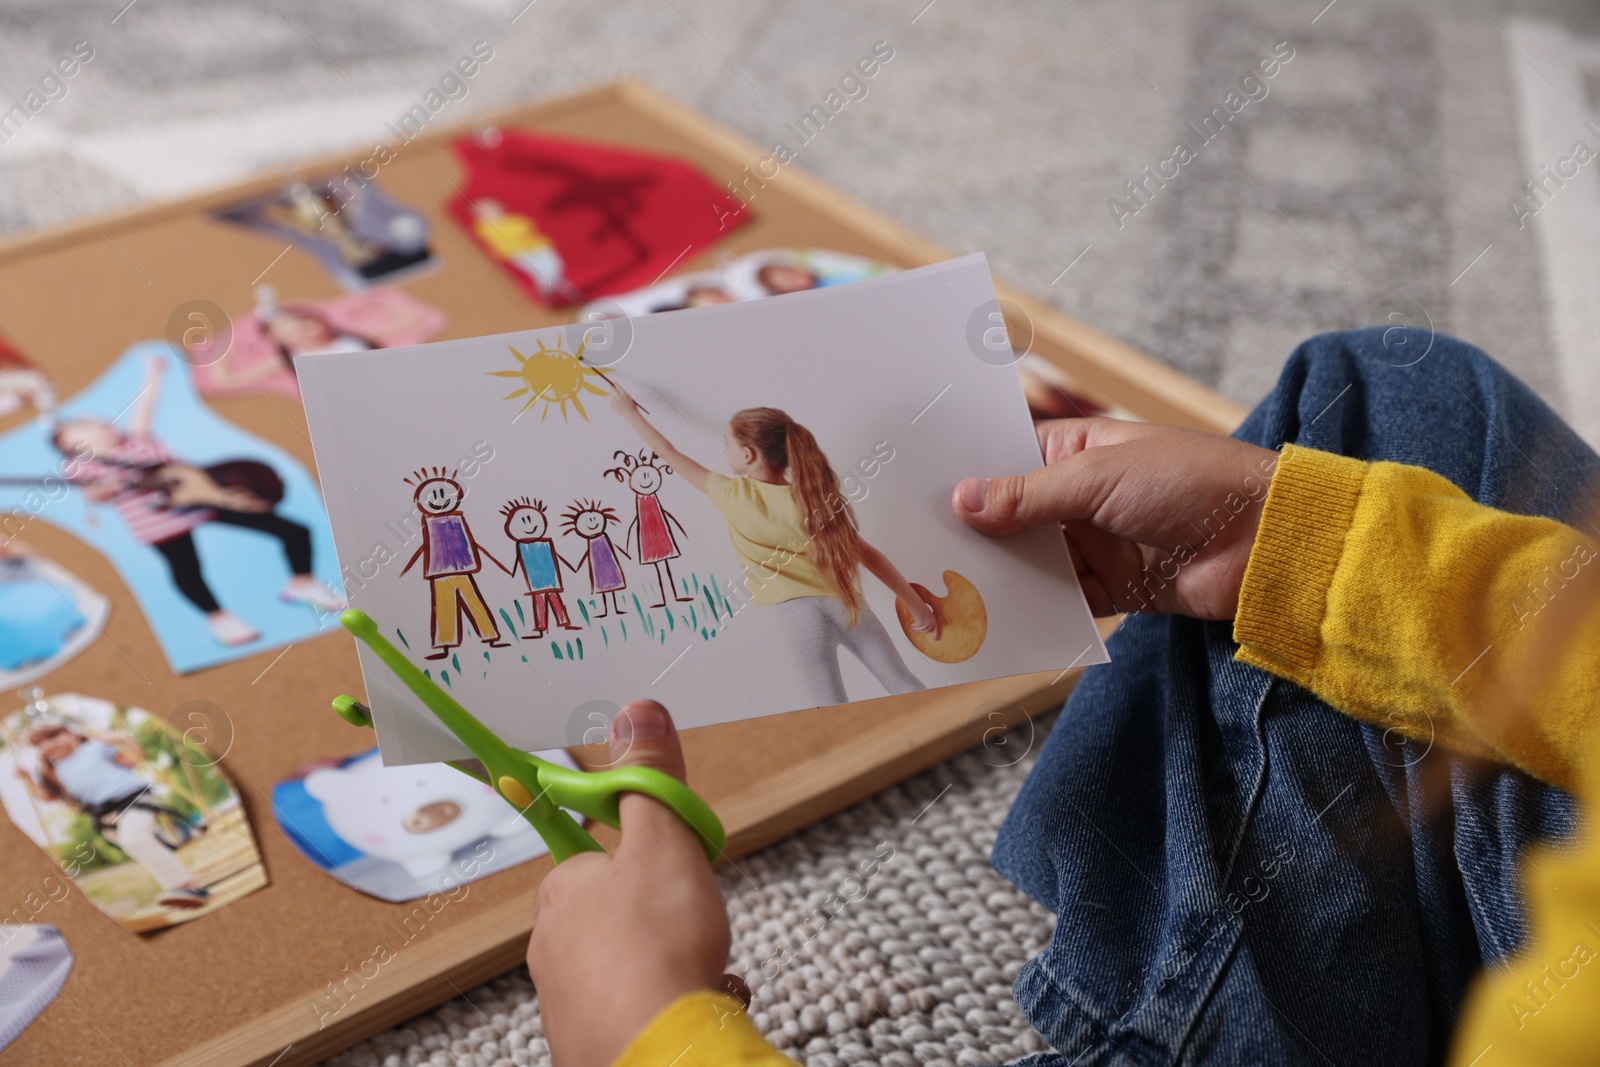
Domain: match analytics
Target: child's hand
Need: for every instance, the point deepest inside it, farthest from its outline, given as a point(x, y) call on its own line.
point(622, 402)
point(1157, 518)
point(617, 937)
point(154, 368)
point(923, 620)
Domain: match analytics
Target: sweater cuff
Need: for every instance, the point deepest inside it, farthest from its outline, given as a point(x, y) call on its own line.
point(702, 1028)
point(1307, 514)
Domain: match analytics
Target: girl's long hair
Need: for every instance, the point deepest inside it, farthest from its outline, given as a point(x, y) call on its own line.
point(827, 519)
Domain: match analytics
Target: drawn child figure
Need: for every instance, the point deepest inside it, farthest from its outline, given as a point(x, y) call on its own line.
point(517, 239)
point(796, 538)
point(450, 559)
point(589, 520)
point(96, 775)
point(540, 563)
point(651, 529)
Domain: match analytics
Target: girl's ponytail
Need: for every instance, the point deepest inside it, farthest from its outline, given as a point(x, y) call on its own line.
point(828, 521)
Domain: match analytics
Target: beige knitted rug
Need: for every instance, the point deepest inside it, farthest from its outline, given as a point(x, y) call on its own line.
point(916, 968)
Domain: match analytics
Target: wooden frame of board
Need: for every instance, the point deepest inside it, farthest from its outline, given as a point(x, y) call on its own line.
point(287, 975)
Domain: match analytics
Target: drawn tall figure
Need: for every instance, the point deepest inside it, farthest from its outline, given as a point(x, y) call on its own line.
point(539, 562)
point(589, 520)
point(653, 540)
point(450, 559)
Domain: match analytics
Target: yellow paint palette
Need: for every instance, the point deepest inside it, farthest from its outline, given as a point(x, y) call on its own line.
point(963, 621)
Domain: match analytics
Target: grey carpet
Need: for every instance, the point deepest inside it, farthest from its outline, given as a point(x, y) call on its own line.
point(917, 970)
point(1376, 171)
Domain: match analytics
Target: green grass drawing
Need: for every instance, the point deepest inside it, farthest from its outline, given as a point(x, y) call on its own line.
point(402, 638)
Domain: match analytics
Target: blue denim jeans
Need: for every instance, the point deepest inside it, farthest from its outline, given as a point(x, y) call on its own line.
point(1241, 874)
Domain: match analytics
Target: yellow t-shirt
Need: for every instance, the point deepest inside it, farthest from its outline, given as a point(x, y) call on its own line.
point(510, 235)
point(764, 526)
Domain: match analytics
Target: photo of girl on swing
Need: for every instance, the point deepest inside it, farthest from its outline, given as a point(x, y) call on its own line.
point(141, 819)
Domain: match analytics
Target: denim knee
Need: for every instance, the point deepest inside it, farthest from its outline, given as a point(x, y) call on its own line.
point(1405, 395)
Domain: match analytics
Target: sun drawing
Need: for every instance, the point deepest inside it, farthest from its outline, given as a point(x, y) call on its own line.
point(555, 376)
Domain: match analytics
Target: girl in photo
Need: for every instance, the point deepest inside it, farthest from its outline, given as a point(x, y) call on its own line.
point(796, 538)
point(97, 776)
point(123, 468)
point(295, 329)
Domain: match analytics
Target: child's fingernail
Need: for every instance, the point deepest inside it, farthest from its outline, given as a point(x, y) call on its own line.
point(639, 721)
point(973, 490)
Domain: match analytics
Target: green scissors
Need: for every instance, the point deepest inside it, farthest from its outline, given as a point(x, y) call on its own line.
point(537, 788)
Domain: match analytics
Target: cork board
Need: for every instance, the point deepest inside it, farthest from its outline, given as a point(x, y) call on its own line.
point(253, 983)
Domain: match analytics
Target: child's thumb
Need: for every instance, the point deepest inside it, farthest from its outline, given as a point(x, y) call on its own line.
point(642, 735)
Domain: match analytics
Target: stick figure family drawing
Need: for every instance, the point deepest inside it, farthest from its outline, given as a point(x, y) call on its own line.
point(452, 555)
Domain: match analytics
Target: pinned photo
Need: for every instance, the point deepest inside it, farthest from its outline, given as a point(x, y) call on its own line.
point(221, 537)
point(22, 384)
point(572, 220)
point(34, 964)
point(47, 615)
point(360, 235)
point(401, 833)
point(769, 272)
point(263, 345)
point(137, 815)
point(779, 271)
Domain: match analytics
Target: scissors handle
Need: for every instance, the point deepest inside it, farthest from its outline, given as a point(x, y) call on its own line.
point(537, 788)
point(598, 795)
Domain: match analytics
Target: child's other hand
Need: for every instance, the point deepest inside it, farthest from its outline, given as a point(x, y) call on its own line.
point(1157, 518)
point(923, 620)
point(619, 936)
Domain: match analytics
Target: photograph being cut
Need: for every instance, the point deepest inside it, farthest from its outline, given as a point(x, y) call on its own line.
point(578, 534)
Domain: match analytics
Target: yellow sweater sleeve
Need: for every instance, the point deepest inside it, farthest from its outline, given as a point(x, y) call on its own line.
point(1399, 600)
point(701, 1030)
point(1390, 594)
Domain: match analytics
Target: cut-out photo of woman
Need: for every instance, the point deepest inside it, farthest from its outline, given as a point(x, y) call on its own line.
point(260, 349)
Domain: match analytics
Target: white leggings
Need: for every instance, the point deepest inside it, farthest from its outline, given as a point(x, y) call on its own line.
point(814, 630)
point(135, 831)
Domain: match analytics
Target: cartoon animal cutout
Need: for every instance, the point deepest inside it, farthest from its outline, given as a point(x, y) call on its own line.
point(963, 621)
point(540, 563)
point(651, 529)
point(418, 816)
point(450, 558)
point(590, 520)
